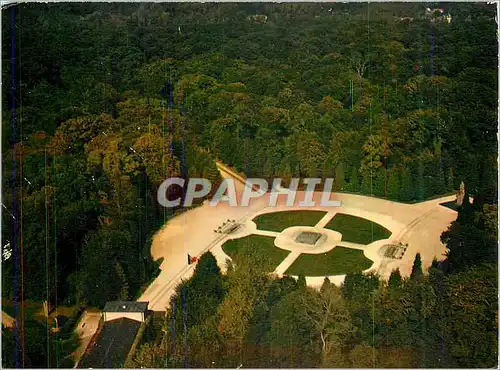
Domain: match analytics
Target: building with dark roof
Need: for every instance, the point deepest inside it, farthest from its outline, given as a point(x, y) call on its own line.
point(118, 329)
point(112, 345)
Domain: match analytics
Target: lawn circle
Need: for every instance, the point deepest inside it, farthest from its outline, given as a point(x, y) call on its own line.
point(290, 239)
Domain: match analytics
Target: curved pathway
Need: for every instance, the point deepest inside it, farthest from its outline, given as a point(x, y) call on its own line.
point(420, 225)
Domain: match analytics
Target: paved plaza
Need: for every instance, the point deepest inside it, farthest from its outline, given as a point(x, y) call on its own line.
point(417, 225)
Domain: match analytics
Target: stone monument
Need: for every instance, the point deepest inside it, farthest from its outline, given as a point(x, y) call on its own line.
point(461, 194)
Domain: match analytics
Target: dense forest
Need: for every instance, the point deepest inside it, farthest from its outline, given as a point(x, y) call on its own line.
point(102, 102)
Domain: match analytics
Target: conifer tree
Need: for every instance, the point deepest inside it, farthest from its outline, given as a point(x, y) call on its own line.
point(420, 188)
point(325, 285)
point(366, 183)
point(313, 170)
point(354, 181)
point(395, 280)
point(211, 173)
point(441, 183)
point(438, 185)
point(339, 179)
point(393, 187)
point(466, 211)
point(379, 182)
point(301, 282)
point(436, 276)
point(268, 170)
point(124, 289)
point(416, 270)
point(296, 173)
point(450, 181)
point(406, 193)
point(285, 173)
point(327, 169)
point(193, 172)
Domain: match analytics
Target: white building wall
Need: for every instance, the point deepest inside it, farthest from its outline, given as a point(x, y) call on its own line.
point(138, 316)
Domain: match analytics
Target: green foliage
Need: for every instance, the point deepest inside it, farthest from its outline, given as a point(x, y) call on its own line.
point(407, 191)
point(359, 291)
point(469, 240)
point(202, 293)
point(379, 183)
point(339, 179)
point(45, 349)
point(395, 280)
point(290, 332)
point(205, 344)
point(416, 270)
point(450, 181)
point(124, 294)
point(353, 184)
point(471, 316)
point(150, 355)
point(420, 184)
point(247, 284)
point(325, 285)
point(99, 282)
point(367, 183)
point(438, 181)
point(393, 186)
point(302, 281)
point(8, 348)
point(329, 313)
point(260, 323)
point(358, 286)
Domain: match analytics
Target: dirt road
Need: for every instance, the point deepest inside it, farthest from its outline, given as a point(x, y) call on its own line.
point(7, 320)
point(86, 328)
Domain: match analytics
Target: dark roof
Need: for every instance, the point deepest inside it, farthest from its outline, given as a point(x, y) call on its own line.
point(112, 345)
point(126, 306)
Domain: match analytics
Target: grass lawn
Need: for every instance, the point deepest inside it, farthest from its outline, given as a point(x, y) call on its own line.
point(279, 221)
point(338, 261)
point(356, 229)
point(32, 310)
point(262, 245)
